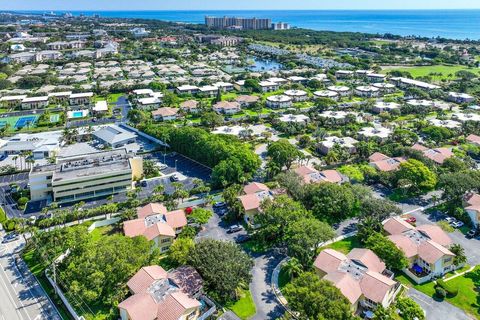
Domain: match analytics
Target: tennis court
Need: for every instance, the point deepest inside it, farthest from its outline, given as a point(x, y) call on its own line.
point(25, 121)
point(54, 118)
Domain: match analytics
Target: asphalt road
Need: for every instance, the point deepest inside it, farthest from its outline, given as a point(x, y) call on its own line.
point(435, 310)
point(21, 297)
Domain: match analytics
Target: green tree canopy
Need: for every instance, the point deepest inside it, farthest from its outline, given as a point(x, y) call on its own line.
point(386, 250)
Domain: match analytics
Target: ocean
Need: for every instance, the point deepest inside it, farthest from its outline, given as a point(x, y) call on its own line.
point(453, 24)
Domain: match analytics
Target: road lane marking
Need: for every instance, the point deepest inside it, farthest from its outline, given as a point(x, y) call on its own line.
point(12, 300)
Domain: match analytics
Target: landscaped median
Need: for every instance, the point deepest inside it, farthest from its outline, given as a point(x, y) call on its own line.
point(466, 284)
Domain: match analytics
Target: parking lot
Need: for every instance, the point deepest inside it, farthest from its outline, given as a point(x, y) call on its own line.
point(178, 163)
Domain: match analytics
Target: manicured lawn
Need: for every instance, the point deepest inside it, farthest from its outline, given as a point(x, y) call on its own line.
point(468, 286)
point(244, 307)
point(467, 298)
point(427, 288)
point(345, 245)
point(444, 70)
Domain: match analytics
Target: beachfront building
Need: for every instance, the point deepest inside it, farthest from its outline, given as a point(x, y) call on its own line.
point(85, 177)
point(361, 277)
point(279, 102)
point(425, 246)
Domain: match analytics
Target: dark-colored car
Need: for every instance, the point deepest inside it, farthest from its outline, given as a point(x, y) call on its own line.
point(235, 228)
point(471, 234)
point(143, 183)
point(242, 238)
point(173, 178)
point(10, 237)
point(217, 205)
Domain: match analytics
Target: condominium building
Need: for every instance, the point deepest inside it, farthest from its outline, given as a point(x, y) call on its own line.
point(238, 23)
point(85, 176)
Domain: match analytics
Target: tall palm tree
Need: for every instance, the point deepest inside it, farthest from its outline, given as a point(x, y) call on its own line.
point(292, 268)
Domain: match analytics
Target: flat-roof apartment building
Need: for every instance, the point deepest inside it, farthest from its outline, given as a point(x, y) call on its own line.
point(238, 22)
point(85, 176)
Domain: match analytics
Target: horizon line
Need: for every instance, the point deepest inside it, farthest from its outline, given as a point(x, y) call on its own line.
point(223, 10)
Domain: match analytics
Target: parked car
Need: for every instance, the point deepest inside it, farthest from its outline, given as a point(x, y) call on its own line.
point(471, 234)
point(143, 183)
point(173, 178)
point(222, 212)
point(450, 220)
point(457, 224)
point(242, 238)
point(217, 205)
point(411, 220)
point(10, 237)
point(235, 228)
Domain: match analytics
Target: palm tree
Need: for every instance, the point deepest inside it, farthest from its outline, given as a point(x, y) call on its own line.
point(292, 268)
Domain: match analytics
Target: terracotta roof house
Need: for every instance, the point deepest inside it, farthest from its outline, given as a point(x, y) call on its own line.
point(474, 139)
point(361, 277)
point(254, 194)
point(472, 207)
point(311, 175)
point(227, 107)
point(438, 155)
point(426, 248)
point(190, 106)
point(384, 163)
point(155, 223)
point(165, 114)
point(246, 100)
point(160, 295)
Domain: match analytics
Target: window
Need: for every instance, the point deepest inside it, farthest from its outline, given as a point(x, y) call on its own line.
point(165, 240)
point(448, 259)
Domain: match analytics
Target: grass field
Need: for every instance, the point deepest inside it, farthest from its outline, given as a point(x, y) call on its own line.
point(447, 72)
point(345, 245)
point(244, 308)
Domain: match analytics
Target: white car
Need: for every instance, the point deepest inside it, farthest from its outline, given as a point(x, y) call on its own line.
point(450, 220)
point(457, 224)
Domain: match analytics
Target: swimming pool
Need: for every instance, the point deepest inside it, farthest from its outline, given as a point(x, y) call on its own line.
point(77, 114)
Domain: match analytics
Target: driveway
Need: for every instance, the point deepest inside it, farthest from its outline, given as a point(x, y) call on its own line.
point(435, 310)
point(265, 300)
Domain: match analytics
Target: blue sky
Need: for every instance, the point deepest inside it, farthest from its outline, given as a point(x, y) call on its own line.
point(233, 5)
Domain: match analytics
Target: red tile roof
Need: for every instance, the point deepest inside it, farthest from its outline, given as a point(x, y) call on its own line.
point(396, 225)
point(151, 209)
point(255, 187)
point(474, 139)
